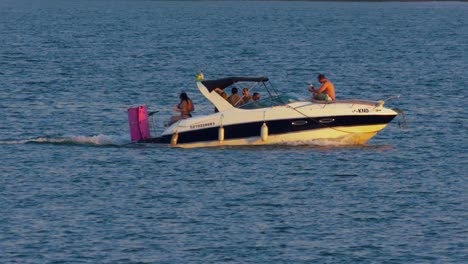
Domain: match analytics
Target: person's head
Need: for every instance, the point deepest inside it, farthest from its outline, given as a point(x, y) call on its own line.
point(256, 96)
point(183, 97)
point(234, 90)
point(245, 91)
point(321, 78)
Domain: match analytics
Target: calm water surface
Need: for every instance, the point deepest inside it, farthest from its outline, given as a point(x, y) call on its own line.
point(72, 191)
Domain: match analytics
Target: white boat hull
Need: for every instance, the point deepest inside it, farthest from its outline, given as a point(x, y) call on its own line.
point(337, 136)
point(277, 120)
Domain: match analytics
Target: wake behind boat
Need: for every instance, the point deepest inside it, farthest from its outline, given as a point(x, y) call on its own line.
point(276, 119)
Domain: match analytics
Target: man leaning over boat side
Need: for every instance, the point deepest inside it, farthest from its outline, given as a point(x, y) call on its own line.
point(326, 92)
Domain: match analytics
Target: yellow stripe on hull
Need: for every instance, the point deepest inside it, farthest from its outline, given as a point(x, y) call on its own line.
point(340, 136)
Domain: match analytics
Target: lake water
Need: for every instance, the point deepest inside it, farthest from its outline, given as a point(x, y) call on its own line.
point(72, 191)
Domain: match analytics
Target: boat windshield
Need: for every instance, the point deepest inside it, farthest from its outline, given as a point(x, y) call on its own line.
point(271, 101)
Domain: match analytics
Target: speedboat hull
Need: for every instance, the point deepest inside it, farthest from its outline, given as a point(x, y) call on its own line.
point(276, 119)
point(357, 135)
point(302, 127)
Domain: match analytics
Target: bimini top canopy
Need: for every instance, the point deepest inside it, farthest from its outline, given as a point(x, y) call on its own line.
point(225, 82)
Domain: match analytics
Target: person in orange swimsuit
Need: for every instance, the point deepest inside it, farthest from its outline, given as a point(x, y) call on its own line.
point(326, 92)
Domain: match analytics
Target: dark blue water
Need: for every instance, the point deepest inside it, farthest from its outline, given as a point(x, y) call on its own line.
point(71, 191)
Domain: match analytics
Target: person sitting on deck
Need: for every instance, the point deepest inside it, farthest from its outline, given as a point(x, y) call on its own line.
point(256, 97)
point(246, 98)
point(235, 99)
point(223, 94)
point(254, 103)
point(185, 107)
point(326, 92)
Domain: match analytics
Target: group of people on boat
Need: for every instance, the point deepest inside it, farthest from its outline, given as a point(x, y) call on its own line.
point(325, 93)
point(236, 100)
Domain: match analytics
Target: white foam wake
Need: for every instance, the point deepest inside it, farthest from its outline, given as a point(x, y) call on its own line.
point(98, 140)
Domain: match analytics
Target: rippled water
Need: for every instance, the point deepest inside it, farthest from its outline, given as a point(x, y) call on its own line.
point(72, 190)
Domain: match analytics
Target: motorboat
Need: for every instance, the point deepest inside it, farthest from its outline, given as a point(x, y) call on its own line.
point(274, 119)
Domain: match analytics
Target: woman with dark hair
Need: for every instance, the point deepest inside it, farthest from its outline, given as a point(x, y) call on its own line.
point(185, 107)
